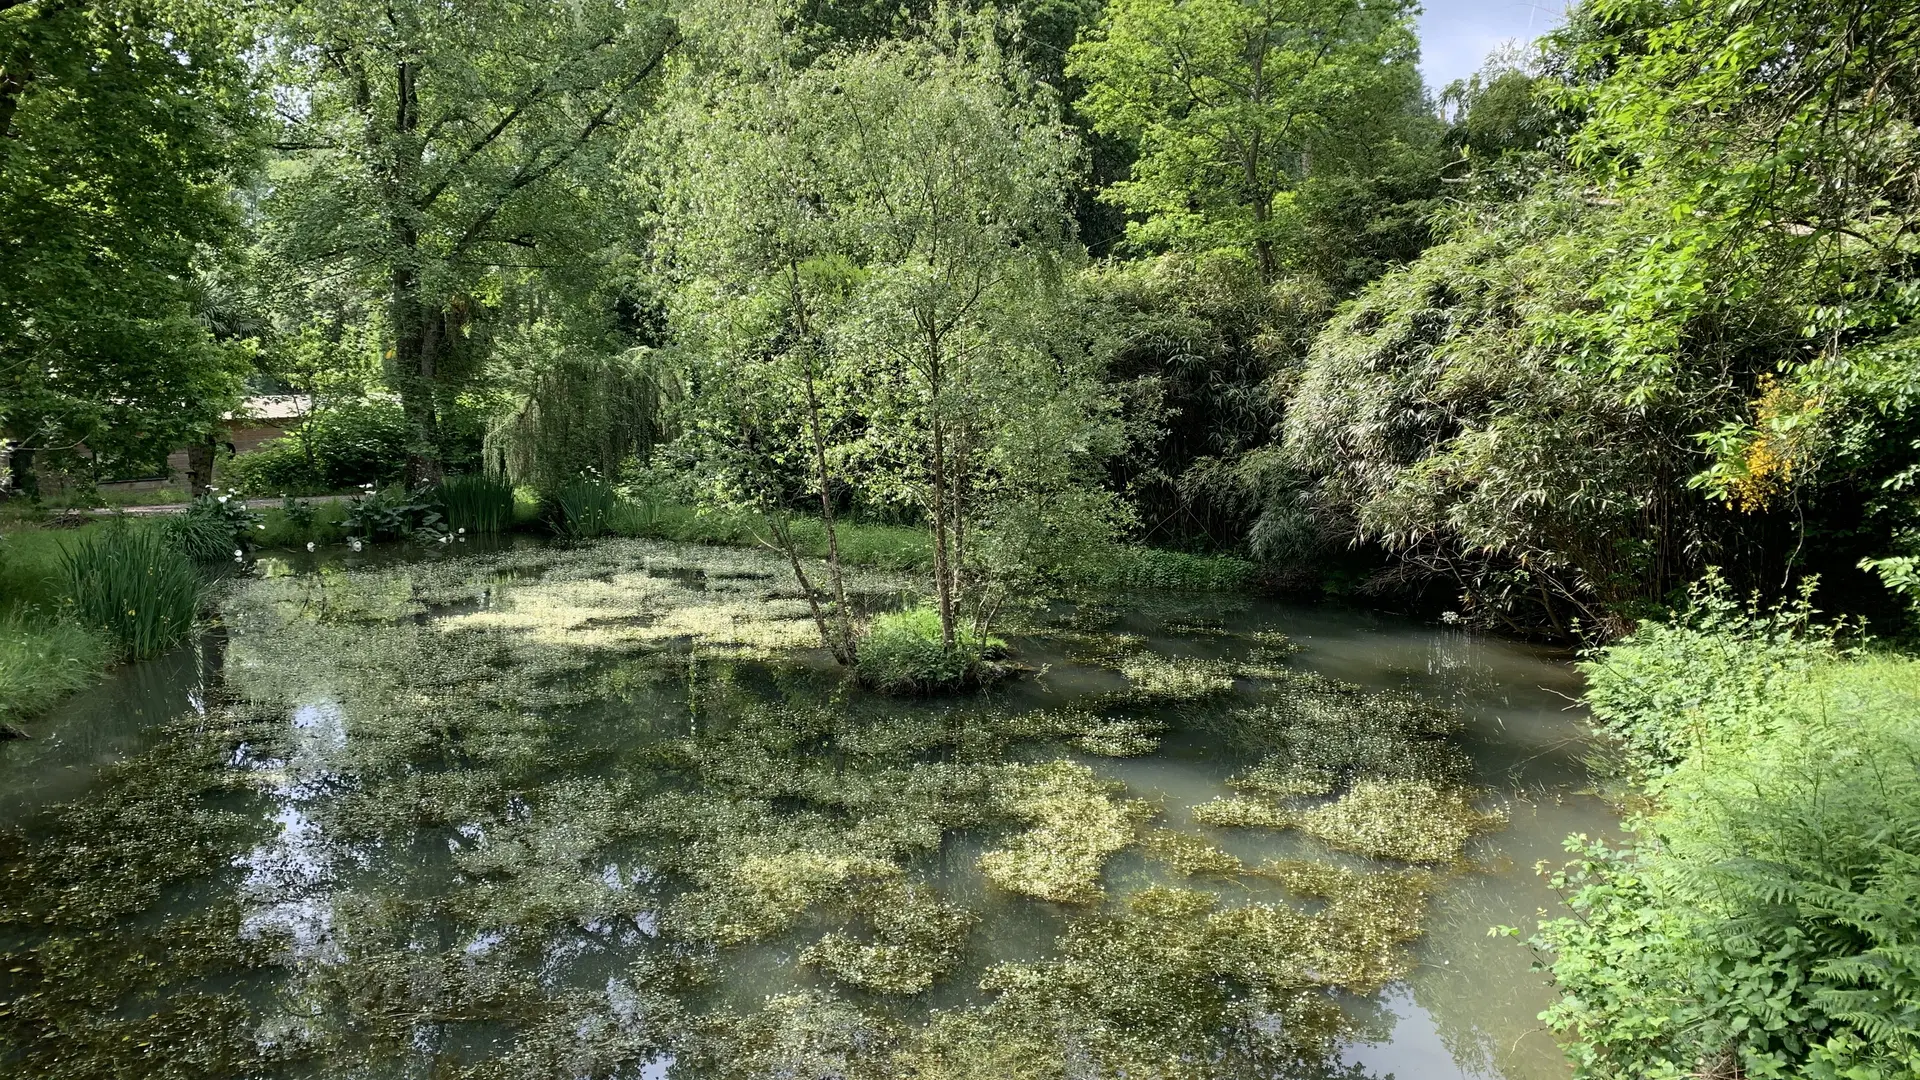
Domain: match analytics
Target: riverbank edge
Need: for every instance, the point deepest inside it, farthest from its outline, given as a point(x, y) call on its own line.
point(45, 657)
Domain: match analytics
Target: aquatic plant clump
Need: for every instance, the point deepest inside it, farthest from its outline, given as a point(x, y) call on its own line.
point(1118, 736)
point(1077, 825)
point(1408, 820)
point(1189, 855)
point(915, 939)
point(904, 652)
point(1173, 680)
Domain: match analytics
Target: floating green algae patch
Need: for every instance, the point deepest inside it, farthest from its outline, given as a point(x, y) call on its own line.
point(1077, 824)
point(582, 812)
point(1409, 820)
point(913, 938)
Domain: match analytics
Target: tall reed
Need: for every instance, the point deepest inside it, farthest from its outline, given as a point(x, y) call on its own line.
point(135, 586)
point(478, 503)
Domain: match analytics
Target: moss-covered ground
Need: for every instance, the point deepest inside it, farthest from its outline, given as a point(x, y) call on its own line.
point(581, 812)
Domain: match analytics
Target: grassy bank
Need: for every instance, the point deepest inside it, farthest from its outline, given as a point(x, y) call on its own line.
point(1764, 920)
point(895, 547)
point(44, 653)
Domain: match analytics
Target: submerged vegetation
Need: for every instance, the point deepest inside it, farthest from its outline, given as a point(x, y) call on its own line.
point(620, 757)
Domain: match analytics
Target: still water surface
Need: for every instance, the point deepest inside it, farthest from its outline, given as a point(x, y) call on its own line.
point(297, 871)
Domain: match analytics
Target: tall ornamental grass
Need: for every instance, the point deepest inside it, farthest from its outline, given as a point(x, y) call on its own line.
point(135, 586)
point(477, 502)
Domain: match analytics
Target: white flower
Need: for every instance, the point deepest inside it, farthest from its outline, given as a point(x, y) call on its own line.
point(262, 528)
point(463, 532)
point(309, 545)
point(355, 543)
point(444, 538)
point(236, 553)
point(221, 499)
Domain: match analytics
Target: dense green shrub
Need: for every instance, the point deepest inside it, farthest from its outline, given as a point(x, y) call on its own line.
point(1718, 668)
point(394, 514)
point(903, 653)
point(217, 526)
point(349, 444)
point(133, 584)
point(477, 502)
point(296, 523)
point(1128, 567)
point(1765, 918)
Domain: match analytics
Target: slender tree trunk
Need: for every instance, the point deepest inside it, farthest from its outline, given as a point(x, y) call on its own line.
point(845, 652)
point(16, 68)
point(942, 556)
point(16, 73)
point(24, 479)
point(958, 498)
point(783, 538)
point(200, 466)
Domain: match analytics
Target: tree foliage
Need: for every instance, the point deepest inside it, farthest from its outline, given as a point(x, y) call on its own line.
point(435, 156)
point(1234, 103)
point(123, 128)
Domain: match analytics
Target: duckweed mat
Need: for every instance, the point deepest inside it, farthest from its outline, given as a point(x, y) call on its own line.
point(609, 812)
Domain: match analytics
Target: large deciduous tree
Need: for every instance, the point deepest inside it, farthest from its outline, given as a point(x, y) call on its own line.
point(436, 151)
point(122, 128)
point(1232, 103)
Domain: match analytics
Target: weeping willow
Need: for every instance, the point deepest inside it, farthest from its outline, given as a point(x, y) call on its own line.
point(583, 413)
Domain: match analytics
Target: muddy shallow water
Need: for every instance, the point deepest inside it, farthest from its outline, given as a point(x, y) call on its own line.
point(605, 812)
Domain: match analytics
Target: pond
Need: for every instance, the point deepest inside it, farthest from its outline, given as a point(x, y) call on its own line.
point(606, 811)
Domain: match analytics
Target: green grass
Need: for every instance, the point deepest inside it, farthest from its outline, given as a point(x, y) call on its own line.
point(43, 659)
point(44, 653)
point(896, 547)
point(883, 547)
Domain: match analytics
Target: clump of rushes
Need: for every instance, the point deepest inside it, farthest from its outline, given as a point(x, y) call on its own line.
point(133, 585)
point(583, 508)
point(1077, 824)
point(478, 503)
point(904, 653)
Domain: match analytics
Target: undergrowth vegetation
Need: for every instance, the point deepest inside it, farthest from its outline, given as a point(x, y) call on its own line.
point(903, 652)
point(1762, 919)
